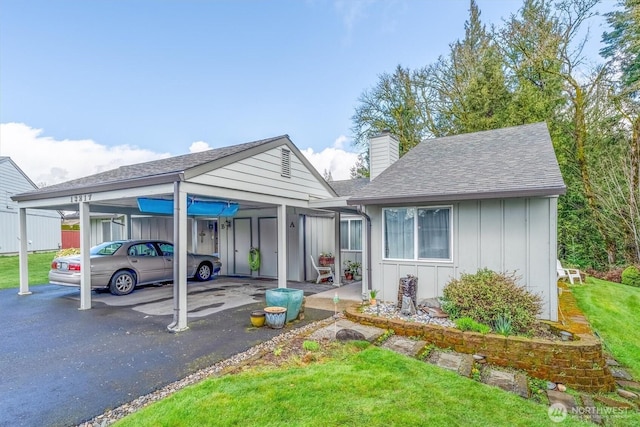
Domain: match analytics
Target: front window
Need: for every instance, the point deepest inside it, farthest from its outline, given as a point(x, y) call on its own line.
point(417, 233)
point(351, 235)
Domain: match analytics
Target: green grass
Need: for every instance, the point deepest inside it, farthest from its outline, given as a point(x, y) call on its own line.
point(613, 310)
point(374, 387)
point(39, 265)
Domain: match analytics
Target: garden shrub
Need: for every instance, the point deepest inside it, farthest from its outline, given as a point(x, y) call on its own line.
point(613, 275)
point(631, 276)
point(487, 295)
point(67, 252)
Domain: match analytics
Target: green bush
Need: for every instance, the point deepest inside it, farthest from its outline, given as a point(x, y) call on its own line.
point(631, 276)
point(487, 295)
point(468, 324)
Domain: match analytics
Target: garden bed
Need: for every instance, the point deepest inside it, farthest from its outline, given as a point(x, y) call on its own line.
point(579, 364)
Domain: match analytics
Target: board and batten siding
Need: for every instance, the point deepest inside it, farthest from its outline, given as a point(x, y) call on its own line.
point(43, 226)
point(503, 235)
point(319, 238)
point(262, 174)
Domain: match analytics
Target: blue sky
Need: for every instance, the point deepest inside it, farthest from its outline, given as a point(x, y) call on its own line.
point(90, 85)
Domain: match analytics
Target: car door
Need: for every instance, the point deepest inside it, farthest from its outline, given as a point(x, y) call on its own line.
point(166, 251)
point(149, 264)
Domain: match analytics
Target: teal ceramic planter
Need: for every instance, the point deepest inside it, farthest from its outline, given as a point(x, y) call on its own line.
point(285, 297)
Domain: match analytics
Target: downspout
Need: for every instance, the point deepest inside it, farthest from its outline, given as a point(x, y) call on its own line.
point(368, 231)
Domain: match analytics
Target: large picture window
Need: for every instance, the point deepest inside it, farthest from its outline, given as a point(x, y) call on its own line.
point(351, 235)
point(417, 233)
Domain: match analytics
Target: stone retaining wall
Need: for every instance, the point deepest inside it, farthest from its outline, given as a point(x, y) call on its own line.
point(577, 364)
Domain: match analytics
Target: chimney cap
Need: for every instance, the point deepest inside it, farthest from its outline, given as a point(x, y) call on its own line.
point(384, 132)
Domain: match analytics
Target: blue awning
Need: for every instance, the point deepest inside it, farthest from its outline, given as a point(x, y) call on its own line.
point(195, 207)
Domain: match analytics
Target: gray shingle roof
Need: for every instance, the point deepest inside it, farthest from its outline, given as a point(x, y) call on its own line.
point(153, 168)
point(511, 162)
point(349, 187)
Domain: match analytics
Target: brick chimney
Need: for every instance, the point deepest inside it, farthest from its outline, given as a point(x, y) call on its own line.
point(383, 152)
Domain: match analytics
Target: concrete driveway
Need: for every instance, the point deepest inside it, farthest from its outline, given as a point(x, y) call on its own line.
point(61, 366)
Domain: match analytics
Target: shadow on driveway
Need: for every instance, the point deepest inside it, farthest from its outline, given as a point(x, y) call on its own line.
point(61, 366)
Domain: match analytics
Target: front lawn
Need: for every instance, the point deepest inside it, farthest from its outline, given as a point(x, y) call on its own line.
point(39, 265)
point(374, 387)
point(614, 313)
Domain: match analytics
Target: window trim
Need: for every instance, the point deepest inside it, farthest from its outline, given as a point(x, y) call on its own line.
point(416, 248)
point(348, 220)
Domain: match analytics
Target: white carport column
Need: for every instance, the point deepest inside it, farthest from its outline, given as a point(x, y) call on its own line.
point(127, 219)
point(24, 255)
point(337, 270)
point(179, 259)
point(282, 246)
point(85, 257)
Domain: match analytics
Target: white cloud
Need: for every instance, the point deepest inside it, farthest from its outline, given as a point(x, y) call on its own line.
point(199, 146)
point(335, 160)
point(339, 142)
point(47, 160)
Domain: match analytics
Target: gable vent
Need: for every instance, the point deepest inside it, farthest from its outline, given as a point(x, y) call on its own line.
point(286, 163)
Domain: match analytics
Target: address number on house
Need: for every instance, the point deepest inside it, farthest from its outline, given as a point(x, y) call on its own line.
point(81, 198)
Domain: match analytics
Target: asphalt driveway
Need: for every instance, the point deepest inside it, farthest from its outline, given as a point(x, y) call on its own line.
point(61, 366)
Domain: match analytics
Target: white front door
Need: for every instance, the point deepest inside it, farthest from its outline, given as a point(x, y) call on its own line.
point(241, 245)
point(268, 241)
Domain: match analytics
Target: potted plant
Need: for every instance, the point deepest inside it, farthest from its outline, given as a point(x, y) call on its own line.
point(355, 270)
point(326, 259)
point(372, 296)
point(348, 272)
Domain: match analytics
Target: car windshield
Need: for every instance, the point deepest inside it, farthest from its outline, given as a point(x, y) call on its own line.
point(106, 248)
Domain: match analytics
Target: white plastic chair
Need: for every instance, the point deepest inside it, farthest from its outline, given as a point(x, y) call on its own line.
point(571, 273)
point(323, 272)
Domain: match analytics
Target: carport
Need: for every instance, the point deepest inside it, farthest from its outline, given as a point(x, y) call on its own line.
point(270, 173)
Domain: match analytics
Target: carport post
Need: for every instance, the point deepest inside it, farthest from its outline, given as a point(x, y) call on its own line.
point(85, 257)
point(24, 255)
point(179, 259)
point(337, 270)
point(282, 246)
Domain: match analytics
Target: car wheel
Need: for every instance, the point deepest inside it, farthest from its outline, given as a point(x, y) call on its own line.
point(122, 283)
point(204, 272)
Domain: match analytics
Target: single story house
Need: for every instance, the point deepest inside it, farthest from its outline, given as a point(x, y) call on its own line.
point(456, 204)
point(44, 225)
point(451, 205)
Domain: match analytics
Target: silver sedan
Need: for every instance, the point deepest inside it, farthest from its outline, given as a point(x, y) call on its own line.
point(122, 265)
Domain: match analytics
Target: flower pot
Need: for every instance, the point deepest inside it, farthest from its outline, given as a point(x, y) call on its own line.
point(326, 261)
point(275, 317)
point(372, 301)
point(291, 299)
point(257, 318)
point(348, 276)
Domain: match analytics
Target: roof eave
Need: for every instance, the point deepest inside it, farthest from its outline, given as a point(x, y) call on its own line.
point(95, 188)
point(430, 198)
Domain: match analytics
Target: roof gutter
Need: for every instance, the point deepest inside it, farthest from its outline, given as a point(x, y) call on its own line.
point(534, 192)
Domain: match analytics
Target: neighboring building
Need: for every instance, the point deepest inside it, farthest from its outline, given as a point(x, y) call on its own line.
point(456, 204)
point(43, 225)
